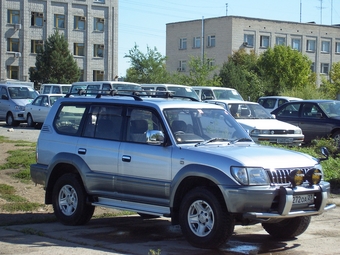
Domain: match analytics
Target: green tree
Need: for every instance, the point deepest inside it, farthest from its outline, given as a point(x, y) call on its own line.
point(285, 68)
point(146, 68)
point(200, 74)
point(331, 87)
point(54, 62)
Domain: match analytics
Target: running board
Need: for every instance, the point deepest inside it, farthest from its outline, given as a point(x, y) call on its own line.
point(131, 206)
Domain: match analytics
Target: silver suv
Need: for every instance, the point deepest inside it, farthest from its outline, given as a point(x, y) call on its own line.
point(190, 161)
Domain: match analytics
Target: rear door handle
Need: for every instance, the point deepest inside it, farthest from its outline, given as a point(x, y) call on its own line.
point(81, 151)
point(126, 158)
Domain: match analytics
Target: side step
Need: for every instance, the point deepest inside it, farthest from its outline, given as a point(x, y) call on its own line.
point(135, 207)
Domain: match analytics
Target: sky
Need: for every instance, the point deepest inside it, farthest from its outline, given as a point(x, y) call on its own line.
point(143, 22)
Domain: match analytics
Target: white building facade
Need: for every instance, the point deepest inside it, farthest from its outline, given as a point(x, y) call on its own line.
point(217, 38)
point(89, 26)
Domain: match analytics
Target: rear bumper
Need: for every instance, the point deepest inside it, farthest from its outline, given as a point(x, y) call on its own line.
point(38, 173)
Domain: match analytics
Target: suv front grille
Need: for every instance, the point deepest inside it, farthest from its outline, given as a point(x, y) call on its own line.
point(280, 176)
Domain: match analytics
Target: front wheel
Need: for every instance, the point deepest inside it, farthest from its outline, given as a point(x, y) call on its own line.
point(30, 122)
point(10, 120)
point(288, 228)
point(69, 201)
point(204, 219)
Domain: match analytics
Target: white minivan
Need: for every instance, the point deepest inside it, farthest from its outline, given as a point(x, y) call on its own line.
point(92, 87)
point(217, 93)
point(49, 88)
point(13, 99)
point(180, 90)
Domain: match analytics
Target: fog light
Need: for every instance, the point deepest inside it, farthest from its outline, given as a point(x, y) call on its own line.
point(296, 177)
point(313, 176)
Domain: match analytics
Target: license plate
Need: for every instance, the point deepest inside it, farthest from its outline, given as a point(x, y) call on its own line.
point(303, 199)
point(285, 140)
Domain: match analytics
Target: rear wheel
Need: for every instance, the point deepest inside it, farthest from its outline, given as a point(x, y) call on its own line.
point(204, 219)
point(288, 228)
point(69, 201)
point(10, 120)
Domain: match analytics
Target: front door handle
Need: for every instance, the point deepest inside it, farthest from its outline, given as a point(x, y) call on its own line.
point(126, 158)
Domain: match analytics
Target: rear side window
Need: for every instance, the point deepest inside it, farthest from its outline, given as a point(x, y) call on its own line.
point(46, 90)
point(268, 103)
point(68, 119)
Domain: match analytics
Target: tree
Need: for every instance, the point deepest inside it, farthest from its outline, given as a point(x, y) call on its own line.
point(331, 87)
point(200, 74)
point(146, 68)
point(286, 68)
point(54, 62)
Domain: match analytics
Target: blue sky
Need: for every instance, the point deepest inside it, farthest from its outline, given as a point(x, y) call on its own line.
point(143, 22)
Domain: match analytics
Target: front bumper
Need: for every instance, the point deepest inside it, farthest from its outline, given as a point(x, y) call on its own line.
point(275, 203)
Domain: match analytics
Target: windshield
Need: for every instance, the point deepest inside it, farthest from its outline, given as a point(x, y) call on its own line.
point(184, 91)
point(229, 94)
point(22, 93)
point(198, 125)
point(248, 111)
point(331, 108)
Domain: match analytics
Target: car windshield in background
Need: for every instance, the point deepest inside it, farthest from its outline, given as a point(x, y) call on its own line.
point(332, 109)
point(248, 111)
point(227, 94)
point(22, 93)
point(184, 91)
point(194, 126)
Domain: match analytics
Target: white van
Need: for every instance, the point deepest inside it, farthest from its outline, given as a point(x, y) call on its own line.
point(49, 88)
point(180, 90)
point(13, 99)
point(217, 93)
point(92, 87)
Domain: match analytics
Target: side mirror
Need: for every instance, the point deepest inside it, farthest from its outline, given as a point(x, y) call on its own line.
point(5, 97)
point(155, 137)
point(325, 153)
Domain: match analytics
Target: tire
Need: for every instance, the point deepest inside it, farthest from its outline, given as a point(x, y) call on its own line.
point(30, 122)
point(69, 201)
point(287, 228)
point(204, 219)
point(10, 120)
point(336, 137)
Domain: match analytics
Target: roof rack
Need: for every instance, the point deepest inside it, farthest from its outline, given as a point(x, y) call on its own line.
point(136, 94)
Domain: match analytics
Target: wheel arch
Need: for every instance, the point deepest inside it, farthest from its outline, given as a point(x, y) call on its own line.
point(194, 176)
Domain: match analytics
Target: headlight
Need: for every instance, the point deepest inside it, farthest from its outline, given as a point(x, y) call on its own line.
point(250, 175)
point(259, 132)
point(298, 131)
point(20, 108)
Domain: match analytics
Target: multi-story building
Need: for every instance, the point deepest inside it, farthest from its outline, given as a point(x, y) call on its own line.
point(89, 26)
point(217, 38)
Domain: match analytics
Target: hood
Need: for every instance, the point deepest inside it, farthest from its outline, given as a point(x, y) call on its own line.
point(249, 154)
point(22, 102)
point(265, 124)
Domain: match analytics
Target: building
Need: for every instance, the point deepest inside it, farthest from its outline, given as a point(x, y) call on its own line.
point(90, 27)
point(217, 38)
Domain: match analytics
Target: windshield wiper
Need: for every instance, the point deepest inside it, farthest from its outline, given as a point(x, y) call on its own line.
point(243, 139)
point(211, 140)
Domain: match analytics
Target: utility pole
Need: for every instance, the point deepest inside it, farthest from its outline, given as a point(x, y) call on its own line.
point(226, 9)
point(300, 10)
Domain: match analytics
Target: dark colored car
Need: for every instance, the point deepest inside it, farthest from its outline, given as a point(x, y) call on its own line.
point(316, 118)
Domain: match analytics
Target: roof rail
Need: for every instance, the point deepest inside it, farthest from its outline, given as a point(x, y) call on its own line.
point(167, 94)
point(99, 93)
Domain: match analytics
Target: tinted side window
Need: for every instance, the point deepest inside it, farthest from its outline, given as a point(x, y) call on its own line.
point(67, 120)
point(290, 110)
point(104, 122)
point(281, 101)
point(46, 90)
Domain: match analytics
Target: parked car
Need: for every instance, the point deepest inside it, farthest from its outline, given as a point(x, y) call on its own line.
point(217, 93)
point(97, 87)
point(36, 112)
point(270, 103)
point(261, 126)
point(178, 90)
point(189, 161)
point(13, 99)
point(49, 88)
point(316, 118)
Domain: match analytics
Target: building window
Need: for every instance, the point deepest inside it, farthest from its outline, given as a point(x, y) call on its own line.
point(280, 40)
point(37, 19)
point(98, 24)
point(197, 42)
point(325, 46)
point(211, 62)
point(183, 43)
point(13, 16)
point(311, 45)
point(312, 67)
point(296, 44)
point(36, 45)
point(79, 22)
point(211, 41)
point(182, 66)
point(337, 47)
point(79, 49)
point(99, 1)
point(59, 21)
point(98, 75)
point(13, 44)
point(324, 68)
point(13, 72)
point(264, 41)
point(248, 40)
point(98, 50)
